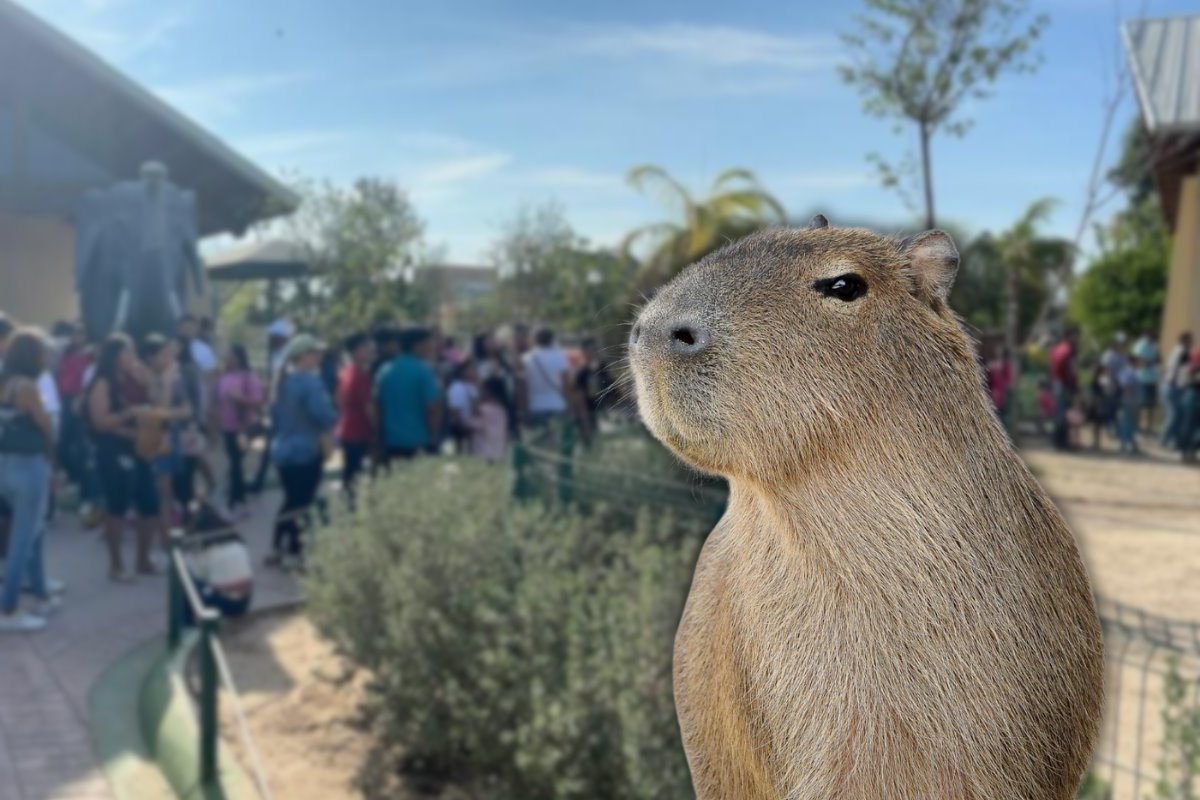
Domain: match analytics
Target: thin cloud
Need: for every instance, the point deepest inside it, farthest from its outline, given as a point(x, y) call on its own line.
point(121, 45)
point(291, 143)
point(728, 59)
point(712, 45)
point(818, 179)
point(226, 95)
point(570, 178)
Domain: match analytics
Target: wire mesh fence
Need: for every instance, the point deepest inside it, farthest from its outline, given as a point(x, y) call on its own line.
point(1149, 746)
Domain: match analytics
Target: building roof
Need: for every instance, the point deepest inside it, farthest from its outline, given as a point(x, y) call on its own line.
point(1164, 57)
point(70, 122)
point(267, 260)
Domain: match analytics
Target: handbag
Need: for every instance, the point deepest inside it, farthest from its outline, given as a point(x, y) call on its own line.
point(150, 439)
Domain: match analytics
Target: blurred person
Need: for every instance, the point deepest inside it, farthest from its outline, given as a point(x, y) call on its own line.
point(489, 422)
point(450, 351)
point(202, 354)
point(303, 418)
point(387, 347)
point(239, 408)
point(207, 332)
point(521, 341)
point(1130, 399)
point(593, 382)
point(492, 360)
point(1145, 349)
point(115, 399)
point(279, 333)
point(1174, 383)
point(26, 448)
point(168, 397)
point(1045, 404)
point(1114, 356)
point(1189, 426)
point(1064, 384)
point(547, 380)
point(408, 399)
point(331, 365)
point(355, 432)
point(999, 372)
point(1101, 408)
point(461, 399)
point(73, 445)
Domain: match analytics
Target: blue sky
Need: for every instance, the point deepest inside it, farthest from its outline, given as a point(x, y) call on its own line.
point(479, 107)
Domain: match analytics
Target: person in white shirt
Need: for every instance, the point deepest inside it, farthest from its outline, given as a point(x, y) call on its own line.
point(547, 379)
point(202, 354)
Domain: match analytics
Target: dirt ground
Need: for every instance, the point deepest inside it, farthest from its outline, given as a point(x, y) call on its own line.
point(1137, 520)
point(301, 710)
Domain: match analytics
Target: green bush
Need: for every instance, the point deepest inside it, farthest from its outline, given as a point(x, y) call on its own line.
point(624, 471)
point(520, 651)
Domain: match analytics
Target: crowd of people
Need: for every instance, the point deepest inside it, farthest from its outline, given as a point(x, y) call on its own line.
point(157, 434)
point(1131, 392)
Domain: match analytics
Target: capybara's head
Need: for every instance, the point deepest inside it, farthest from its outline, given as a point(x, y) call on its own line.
point(790, 345)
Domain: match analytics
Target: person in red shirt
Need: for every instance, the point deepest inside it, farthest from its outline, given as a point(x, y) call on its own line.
point(354, 399)
point(1063, 383)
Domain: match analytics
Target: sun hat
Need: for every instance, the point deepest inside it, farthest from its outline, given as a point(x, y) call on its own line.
point(303, 343)
point(281, 328)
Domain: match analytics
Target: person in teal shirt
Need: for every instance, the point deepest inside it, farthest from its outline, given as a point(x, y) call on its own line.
point(409, 399)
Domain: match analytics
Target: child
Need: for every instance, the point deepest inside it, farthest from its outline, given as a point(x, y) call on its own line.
point(1130, 394)
point(1076, 417)
point(1045, 401)
point(489, 425)
point(461, 398)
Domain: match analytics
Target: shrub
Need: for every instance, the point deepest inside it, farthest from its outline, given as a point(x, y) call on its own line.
point(523, 651)
point(622, 472)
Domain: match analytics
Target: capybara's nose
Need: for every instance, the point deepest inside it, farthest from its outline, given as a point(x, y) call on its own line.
point(688, 337)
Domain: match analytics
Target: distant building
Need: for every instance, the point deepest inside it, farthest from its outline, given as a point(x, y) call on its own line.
point(455, 288)
point(69, 122)
point(1164, 57)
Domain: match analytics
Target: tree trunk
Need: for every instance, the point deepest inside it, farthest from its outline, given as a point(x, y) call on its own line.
point(926, 171)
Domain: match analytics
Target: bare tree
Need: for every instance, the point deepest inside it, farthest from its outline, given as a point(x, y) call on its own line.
point(918, 60)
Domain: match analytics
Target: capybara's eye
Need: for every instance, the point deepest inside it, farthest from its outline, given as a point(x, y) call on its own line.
point(846, 287)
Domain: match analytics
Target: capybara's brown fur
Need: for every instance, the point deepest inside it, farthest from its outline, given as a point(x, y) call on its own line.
point(891, 608)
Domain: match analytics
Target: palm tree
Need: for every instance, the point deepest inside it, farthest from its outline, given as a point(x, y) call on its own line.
point(735, 206)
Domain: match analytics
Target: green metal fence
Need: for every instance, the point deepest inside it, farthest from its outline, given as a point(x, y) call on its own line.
point(214, 671)
point(1150, 737)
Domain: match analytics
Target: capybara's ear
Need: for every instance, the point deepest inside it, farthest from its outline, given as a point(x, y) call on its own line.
point(933, 260)
point(818, 221)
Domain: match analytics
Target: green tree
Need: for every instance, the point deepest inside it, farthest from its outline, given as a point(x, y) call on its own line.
point(981, 288)
point(1125, 286)
point(550, 274)
point(735, 206)
point(363, 245)
point(917, 61)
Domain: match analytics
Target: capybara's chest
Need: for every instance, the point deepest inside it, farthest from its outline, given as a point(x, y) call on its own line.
point(792, 683)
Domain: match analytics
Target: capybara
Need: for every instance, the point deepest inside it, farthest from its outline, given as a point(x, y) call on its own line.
point(891, 608)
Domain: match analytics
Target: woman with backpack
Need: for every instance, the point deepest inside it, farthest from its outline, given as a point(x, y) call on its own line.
point(26, 442)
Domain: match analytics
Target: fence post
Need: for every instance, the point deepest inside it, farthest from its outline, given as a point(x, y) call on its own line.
point(175, 598)
point(566, 466)
point(520, 460)
point(208, 697)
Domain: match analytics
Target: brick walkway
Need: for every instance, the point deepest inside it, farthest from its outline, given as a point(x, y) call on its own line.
point(45, 741)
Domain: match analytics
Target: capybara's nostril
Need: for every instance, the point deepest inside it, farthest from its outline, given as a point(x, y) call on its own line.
point(636, 334)
point(688, 338)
